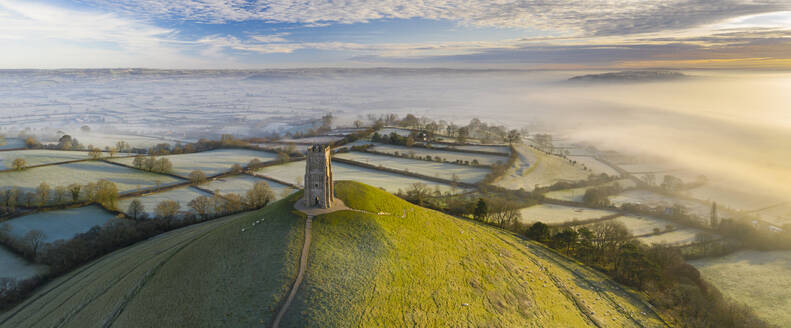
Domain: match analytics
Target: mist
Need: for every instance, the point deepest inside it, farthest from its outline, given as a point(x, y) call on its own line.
point(734, 126)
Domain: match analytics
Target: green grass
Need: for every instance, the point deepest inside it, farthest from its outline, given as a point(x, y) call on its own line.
point(207, 275)
point(429, 269)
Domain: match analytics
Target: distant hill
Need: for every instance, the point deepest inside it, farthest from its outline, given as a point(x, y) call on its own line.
point(631, 76)
point(389, 263)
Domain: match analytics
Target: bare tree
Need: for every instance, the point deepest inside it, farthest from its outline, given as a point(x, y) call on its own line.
point(201, 205)
point(260, 195)
point(75, 189)
point(95, 153)
point(42, 191)
point(236, 169)
point(19, 164)
point(60, 194)
point(167, 209)
point(34, 239)
point(136, 209)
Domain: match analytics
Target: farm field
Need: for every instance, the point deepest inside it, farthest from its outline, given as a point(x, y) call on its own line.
point(442, 170)
point(488, 148)
point(102, 140)
point(294, 171)
point(642, 225)
point(445, 155)
point(369, 270)
point(534, 168)
point(211, 162)
point(60, 224)
point(11, 143)
point(126, 179)
point(240, 184)
point(558, 214)
point(650, 198)
point(388, 131)
point(163, 281)
point(39, 156)
point(182, 195)
point(594, 165)
point(779, 215)
point(15, 267)
point(577, 194)
point(682, 236)
point(762, 280)
point(313, 140)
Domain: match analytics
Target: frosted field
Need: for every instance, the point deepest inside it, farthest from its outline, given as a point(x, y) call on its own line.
point(400, 132)
point(39, 156)
point(15, 267)
point(642, 225)
point(745, 199)
point(126, 179)
point(11, 143)
point(679, 237)
point(489, 148)
point(182, 195)
point(760, 279)
point(312, 140)
point(388, 181)
point(60, 224)
point(442, 170)
point(645, 197)
point(446, 155)
point(778, 215)
point(577, 194)
point(240, 184)
point(534, 168)
point(211, 162)
point(557, 214)
point(594, 165)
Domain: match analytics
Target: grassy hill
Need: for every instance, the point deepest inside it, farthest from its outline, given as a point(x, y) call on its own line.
point(388, 263)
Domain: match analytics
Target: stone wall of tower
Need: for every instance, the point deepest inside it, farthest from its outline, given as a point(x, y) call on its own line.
point(319, 189)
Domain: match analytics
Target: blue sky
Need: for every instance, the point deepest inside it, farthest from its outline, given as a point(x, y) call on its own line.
point(359, 33)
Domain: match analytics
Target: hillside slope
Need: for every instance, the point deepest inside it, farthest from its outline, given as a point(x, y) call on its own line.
point(386, 263)
point(419, 267)
point(206, 275)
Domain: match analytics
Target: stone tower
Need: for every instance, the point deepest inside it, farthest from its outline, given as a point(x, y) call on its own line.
point(319, 190)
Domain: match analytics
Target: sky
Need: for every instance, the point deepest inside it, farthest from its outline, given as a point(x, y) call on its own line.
point(540, 34)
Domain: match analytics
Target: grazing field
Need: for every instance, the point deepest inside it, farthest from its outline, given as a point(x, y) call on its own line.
point(226, 272)
point(441, 170)
point(487, 148)
point(779, 215)
point(295, 171)
point(650, 198)
point(313, 140)
point(102, 140)
point(15, 267)
point(39, 156)
point(400, 132)
point(594, 165)
point(450, 156)
point(679, 237)
point(240, 184)
point(368, 270)
point(211, 162)
point(60, 224)
point(534, 168)
point(576, 194)
point(126, 179)
point(759, 279)
point(182, 195)
point(558, 214)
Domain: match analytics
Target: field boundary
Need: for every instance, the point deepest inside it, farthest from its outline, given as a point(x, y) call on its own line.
point(406, 173)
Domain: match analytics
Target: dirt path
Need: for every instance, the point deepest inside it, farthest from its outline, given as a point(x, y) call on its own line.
point(303, 264)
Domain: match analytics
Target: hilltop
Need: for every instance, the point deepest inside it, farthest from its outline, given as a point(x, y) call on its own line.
point(630, 76)
point(385, 263)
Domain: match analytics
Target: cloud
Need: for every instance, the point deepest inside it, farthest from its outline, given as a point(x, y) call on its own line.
point(565, 17)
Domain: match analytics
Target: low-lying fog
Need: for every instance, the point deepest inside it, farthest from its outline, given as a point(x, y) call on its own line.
point(725, 124)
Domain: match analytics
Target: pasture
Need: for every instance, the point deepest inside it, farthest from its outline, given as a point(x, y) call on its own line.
point(486, 148)
point(240, 184)
point(181, 195)
point(779, 215)
point(760, 279)
point(12, 143)
point(449, 156)
point(594, 165)
point(643, 225)
point(534, 168)
point(446, 171)
point(559, 214)
point(39, 156)
point(576, 194)
point(211, 162)
point(126, 179)
point(678, 237)
point(60, 224)
point(15, 267)
point(653, 199)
